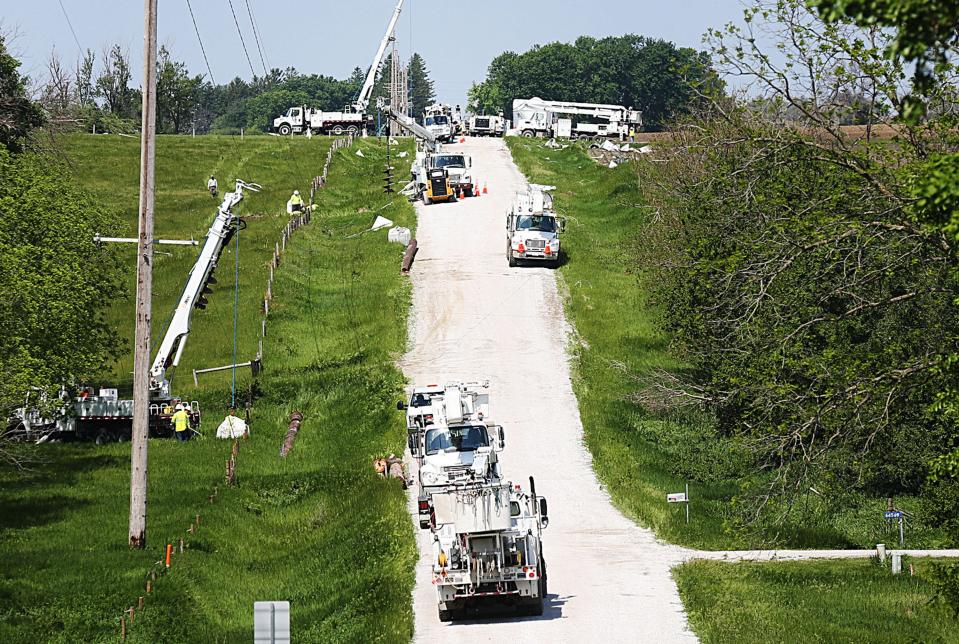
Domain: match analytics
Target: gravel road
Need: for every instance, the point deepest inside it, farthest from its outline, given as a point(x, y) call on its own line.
point(474, 318)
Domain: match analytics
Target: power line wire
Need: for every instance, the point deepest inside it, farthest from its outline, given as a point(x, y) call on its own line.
point(242, 42)
point(256, 36)
point(202, 49)
point(70, 24)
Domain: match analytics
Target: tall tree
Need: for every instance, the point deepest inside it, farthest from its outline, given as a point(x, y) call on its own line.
point(113, 83)
point(18, 114)
point(177, 93)
point(422, 92)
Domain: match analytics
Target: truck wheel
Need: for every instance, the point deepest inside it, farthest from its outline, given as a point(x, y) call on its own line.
point(445, 615)
point(543, 579)
point(529, 134)
point(352, 130)
point(468, 192)
point(510, 258)
point(285, 129)
point(103, 437)
point(338, 130)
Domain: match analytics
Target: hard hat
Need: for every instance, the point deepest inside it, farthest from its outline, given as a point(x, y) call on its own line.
point(296, 192)
point(179, 407)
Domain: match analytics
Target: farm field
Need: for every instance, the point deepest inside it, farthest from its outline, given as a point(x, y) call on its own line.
point(318, 528)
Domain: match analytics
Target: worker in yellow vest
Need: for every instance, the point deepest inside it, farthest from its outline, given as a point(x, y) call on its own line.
point(181, 423)
point(295, 204)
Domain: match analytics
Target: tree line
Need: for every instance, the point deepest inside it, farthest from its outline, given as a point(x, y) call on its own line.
point(807, 273)
point(648, 74)
point(96, 94)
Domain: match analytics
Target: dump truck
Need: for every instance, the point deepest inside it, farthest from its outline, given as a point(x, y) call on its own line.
point(487, 549)
point(533, 227)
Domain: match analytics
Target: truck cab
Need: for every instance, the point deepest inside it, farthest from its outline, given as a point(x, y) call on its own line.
point(458, 170)
point(440, 126)
point(296, 120)
point(533, 228)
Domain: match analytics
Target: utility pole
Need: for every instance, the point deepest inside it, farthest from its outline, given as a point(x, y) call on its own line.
point(141, 343)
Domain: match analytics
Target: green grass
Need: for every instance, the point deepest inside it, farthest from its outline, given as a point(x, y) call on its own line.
point(318, 528)
point(109, 167)
point(816, 601)
point(639, 456)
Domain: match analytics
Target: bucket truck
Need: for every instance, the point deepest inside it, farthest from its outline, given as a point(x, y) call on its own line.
point(106, 417)
point(532, 227)
point(536, 117)
point(487, 549)
point(300, 118)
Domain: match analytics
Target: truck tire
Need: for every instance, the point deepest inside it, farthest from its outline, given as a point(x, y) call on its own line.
point(103, 437)
point(337, 130)
point(510, 258)
point(529, 134)
point(352, 130)
point(445, 615)
point(543, 579)
point(285, 129)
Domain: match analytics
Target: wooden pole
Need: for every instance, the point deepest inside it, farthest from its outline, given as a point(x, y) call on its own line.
point(141, 358)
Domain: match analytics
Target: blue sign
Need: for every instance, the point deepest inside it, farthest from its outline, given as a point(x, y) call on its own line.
point(894, 515)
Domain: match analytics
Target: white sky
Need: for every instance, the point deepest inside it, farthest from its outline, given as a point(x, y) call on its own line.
point(457, 39)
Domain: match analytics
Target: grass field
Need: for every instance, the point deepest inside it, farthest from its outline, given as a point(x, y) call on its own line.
point(849, 601)
point(109, 167)
point(318, 528)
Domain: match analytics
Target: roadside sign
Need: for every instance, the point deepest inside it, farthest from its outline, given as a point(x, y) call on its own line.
point(896, 514)
point(677, 497)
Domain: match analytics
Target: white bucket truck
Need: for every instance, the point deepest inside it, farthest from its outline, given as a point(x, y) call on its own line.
point(536, 117)
point(533, 228)
point(487, 549)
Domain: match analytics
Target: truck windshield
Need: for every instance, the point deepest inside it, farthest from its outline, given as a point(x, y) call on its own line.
point(420, 400)
point(449, 161)
point(456, 439)
point(539, 223)
point(439, 119)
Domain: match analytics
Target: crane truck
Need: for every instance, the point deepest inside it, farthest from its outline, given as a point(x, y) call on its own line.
point(299, 119)
point(450, 435)
point(536, 117)
point(436, 175)
point(487, 548)
point(106, 417)
point(533, 227)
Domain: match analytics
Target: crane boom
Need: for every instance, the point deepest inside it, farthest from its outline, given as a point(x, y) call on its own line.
point(430, 141)
point(363, 99)
point(171, 347)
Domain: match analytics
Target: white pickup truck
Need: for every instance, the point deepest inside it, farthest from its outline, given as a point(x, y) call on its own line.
point(533, 228)
point(487, 549)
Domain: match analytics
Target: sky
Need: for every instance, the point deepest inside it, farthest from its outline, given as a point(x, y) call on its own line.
point(457, 39)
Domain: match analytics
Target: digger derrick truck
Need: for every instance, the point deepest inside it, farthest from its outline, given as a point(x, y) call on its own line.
point(487, 549)
point(300, 119)
point(106, 417)
point(533, 227)
point(450, 435)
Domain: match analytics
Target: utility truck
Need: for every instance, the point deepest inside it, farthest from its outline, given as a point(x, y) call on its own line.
point(487, 549)
point(487, 125)
point(440, 121)
point(533, 227)
point(458, 170)
point(451, 437)
point(353, 119)
point(536, 117)
point(104, 416)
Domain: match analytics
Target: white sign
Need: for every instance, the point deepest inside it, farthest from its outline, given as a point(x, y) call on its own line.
point(271, 622)
point(677, 497)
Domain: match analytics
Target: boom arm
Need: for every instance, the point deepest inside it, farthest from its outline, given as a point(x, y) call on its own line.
point(430, 142)
point(174, 340)
point(364, 97)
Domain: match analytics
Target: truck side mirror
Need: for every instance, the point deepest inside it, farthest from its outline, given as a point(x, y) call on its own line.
point(561, 224)
point(400, 405)
point(543, 512)
point(502, 437)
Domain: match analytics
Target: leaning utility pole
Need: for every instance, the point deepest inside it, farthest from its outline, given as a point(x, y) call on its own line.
point(141, 343)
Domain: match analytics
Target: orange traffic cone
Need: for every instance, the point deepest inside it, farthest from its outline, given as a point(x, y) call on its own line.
point(484, 188)
point(463, 140)
point(476, 190)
